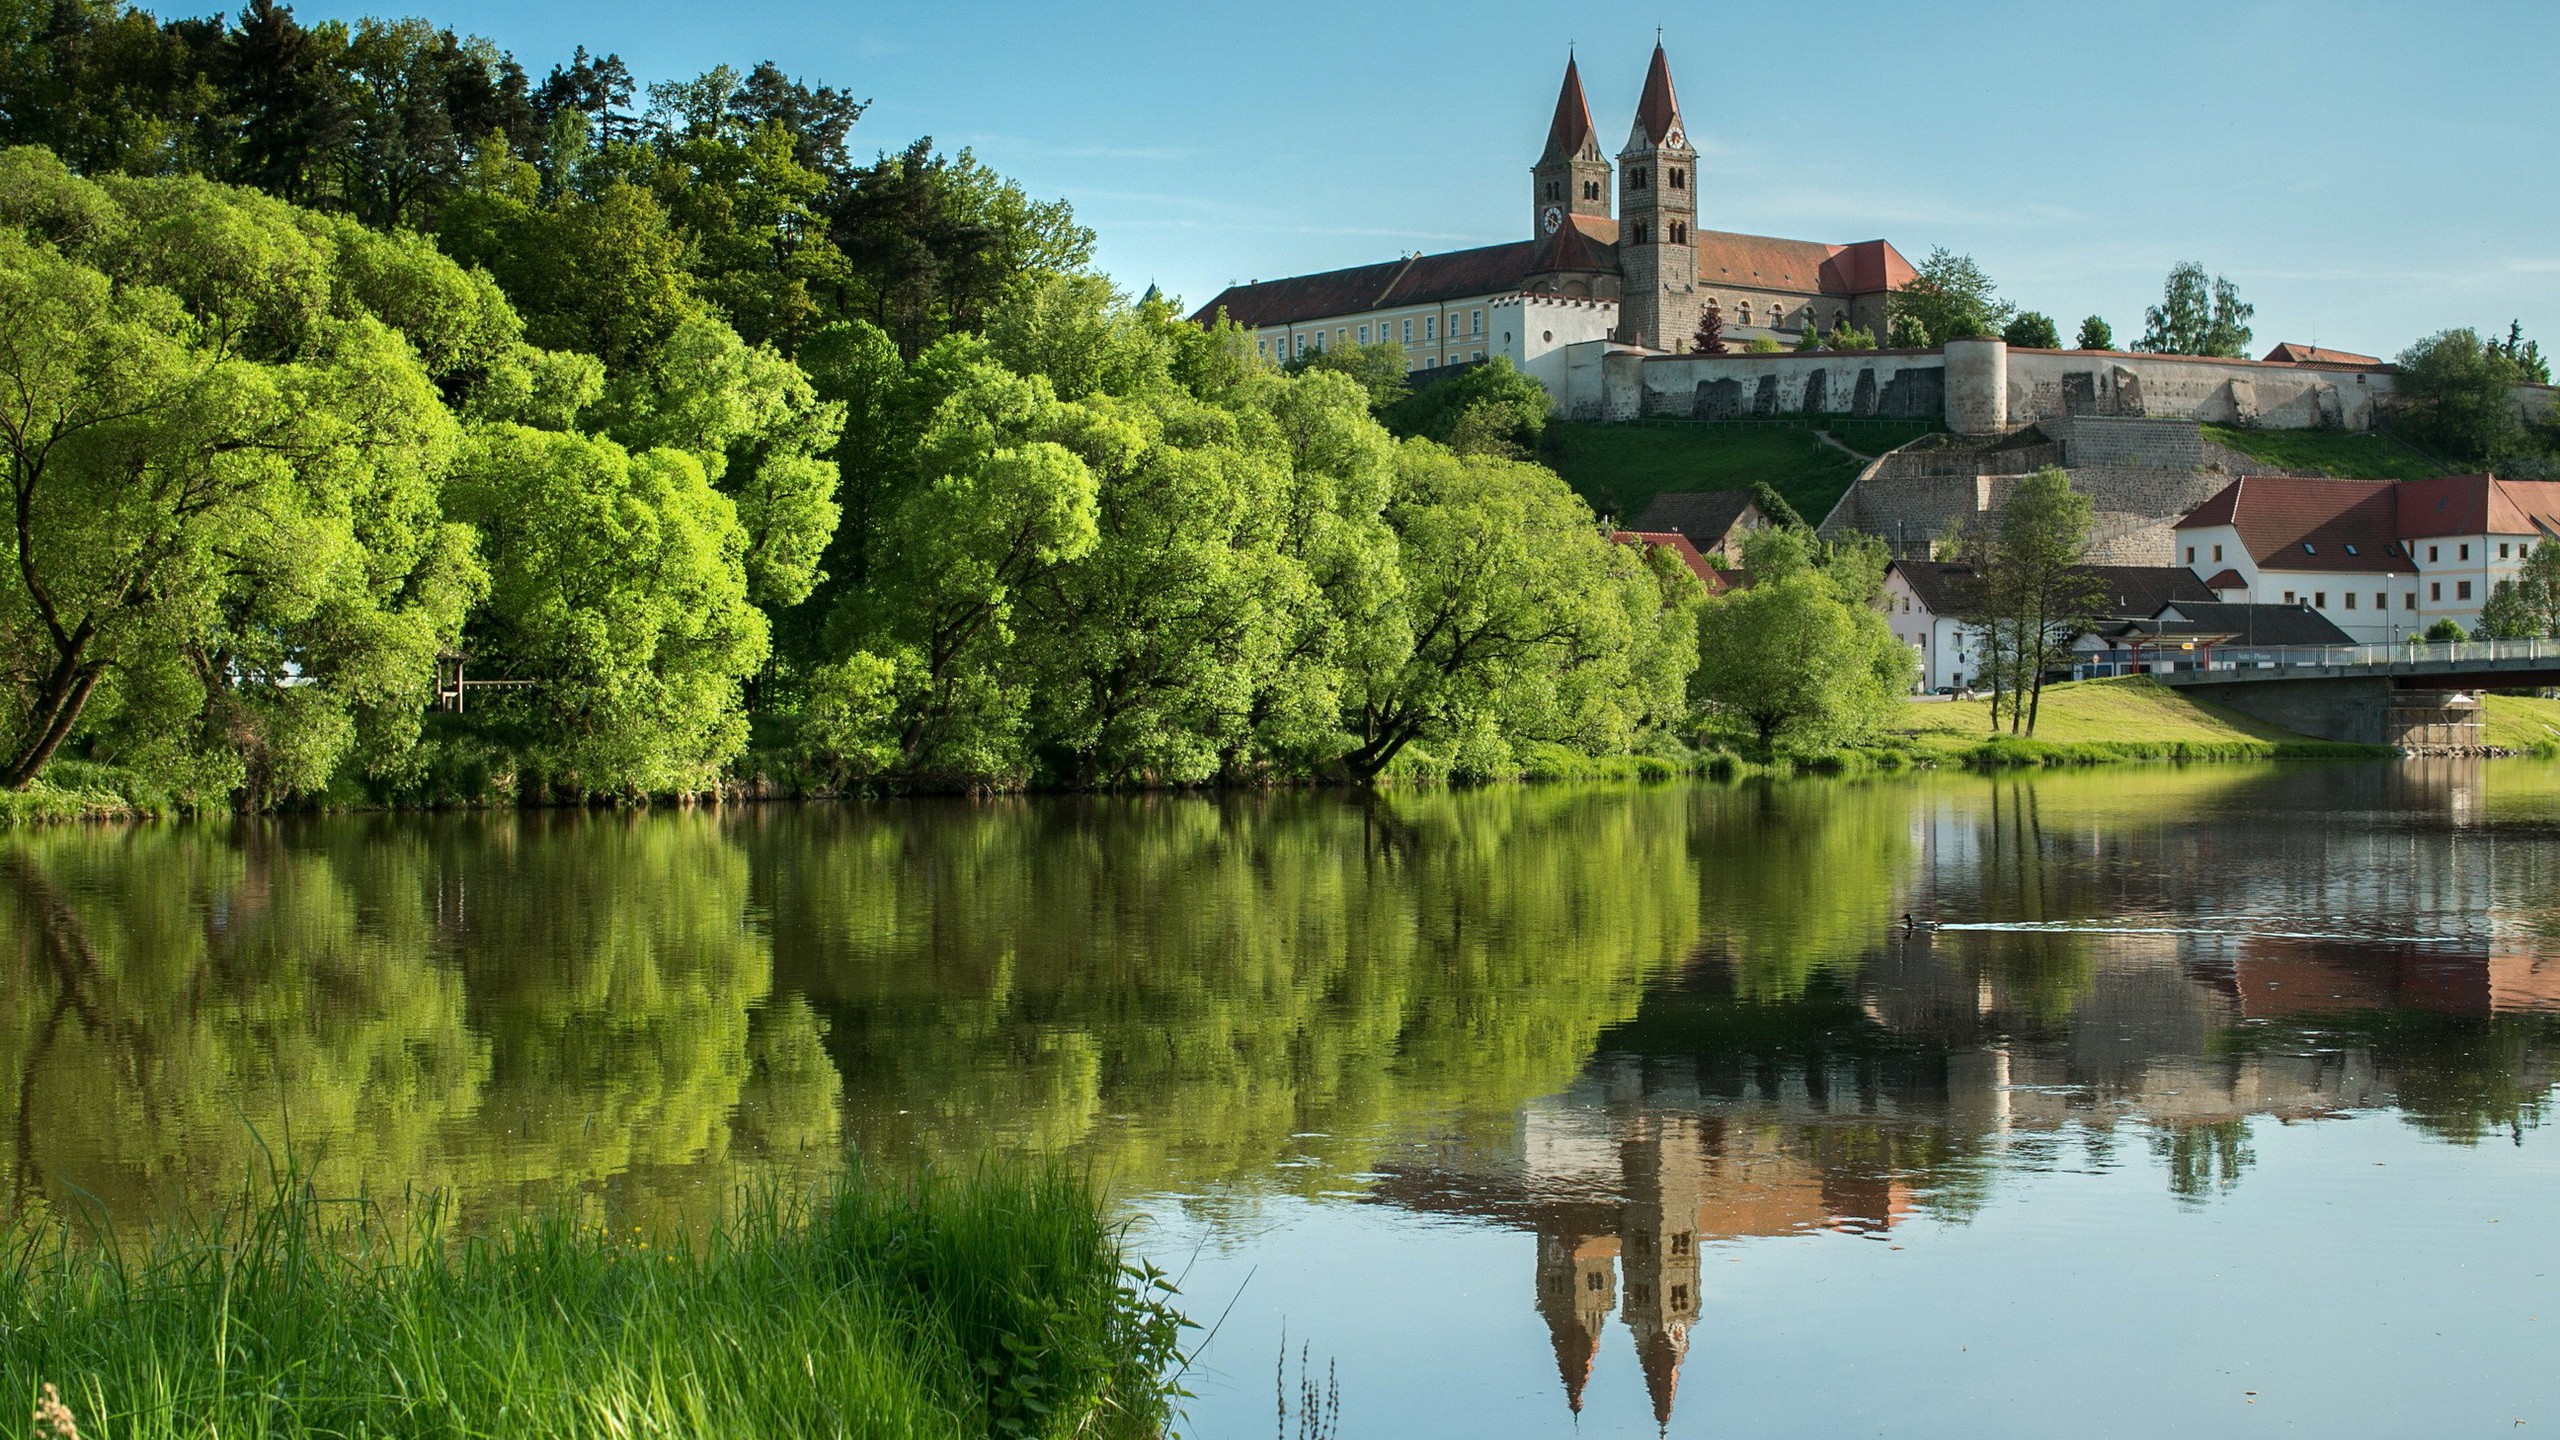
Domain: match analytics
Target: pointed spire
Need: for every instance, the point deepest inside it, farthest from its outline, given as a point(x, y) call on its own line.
point(1571, 129)
point(1658, 112)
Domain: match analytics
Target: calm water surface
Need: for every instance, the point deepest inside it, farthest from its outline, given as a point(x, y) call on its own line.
point(2216, 1104)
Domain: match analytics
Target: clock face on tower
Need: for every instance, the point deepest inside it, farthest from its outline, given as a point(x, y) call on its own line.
point(1553, 219)
point(1675, 138)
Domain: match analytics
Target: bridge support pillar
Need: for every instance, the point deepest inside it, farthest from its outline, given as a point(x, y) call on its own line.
point(2356, 711)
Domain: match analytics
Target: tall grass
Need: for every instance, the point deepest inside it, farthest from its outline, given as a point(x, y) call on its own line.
point(997, 1305)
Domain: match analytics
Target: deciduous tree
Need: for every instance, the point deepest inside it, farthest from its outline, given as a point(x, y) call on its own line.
point(2197, 317)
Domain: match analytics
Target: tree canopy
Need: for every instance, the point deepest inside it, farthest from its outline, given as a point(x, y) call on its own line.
point(2197, 316)
point(1947, 298)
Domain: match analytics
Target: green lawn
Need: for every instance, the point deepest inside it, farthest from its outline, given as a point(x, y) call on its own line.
point(2346, 454)
point(1618, 468)
point(2520, 722)
point(2129, 718)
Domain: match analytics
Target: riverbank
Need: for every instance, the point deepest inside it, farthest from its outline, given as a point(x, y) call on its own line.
point(2098, 721)
point(997, 1305)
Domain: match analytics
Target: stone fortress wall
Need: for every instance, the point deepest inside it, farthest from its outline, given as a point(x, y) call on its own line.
point(2123, 424)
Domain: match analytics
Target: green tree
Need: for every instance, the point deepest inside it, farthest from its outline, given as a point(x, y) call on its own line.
point(2096, 334)
point(2032, 330)
point(2458, 395)
point(227, 563)
point(1518, 612)
point(1381, 369)
point(2528, 606)
point(2031, 595)
point(1947, 298)
point(1709, 340)
point(1845, 336)
point(1487, 409)
point(2197, 316)
point(1802, 657)
point(2526, 354)
point(620, 592)
point(1763, 345)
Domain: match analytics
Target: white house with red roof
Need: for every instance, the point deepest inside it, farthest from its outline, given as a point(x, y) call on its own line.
point(2384, 560)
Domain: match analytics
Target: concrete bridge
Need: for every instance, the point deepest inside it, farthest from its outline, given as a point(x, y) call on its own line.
point(2417, 696)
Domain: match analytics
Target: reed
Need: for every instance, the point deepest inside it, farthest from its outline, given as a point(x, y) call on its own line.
point(994, 1305)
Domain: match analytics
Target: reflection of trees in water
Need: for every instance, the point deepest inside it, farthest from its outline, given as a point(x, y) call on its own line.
point(1183, 987)
point(495, 1005)
point(2204, 1157)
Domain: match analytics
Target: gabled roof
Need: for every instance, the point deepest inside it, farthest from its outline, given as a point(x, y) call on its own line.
point(2294, 522)
point(2143, 589)
point(2477, 505)
point(1658, 110)
point(1944, 588)
point(1869, 267)
point(1707, 517)
point(1571, 129)
point(2127, 592)
point(2226, 580)
point(1415, 280)
point(1716, 581)
point(2290, 353)
point(1573, 251)
point(2259, 624)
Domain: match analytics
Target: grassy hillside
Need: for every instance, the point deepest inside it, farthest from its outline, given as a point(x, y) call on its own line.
point(2130, 718)
point(2520, 722)
point(1620, 467)
point(2346, 454)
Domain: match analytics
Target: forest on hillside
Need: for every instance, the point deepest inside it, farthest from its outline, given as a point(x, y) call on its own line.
point(331, 354)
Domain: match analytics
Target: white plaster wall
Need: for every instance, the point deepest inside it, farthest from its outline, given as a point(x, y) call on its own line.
point(1538, 333)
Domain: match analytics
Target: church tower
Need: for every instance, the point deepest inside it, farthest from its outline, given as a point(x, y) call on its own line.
point(1657, 218)
point(1572, 176)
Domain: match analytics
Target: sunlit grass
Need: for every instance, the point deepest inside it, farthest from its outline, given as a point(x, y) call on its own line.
point(2133, 717)
point(992, 1306)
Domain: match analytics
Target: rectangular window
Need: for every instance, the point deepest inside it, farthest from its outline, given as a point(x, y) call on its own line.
point(2191, 554)
point(1477, 325)
point(2431, 554)
point(1364, 334)
point(2319, 599)
point(2412, 600)
point(2288, 597)
point(1342, 335)
point(2502, 549)
point(2435, 590)
point(2462, 590)
point(1430, 328)
point(2217, 554)
point(1430, 362)
point(2466, 552)
point(2381, 599)
point(2351, 599)
point(1408, 330)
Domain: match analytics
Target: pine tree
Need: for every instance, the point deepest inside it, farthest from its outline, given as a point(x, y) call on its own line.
point(1710, 337)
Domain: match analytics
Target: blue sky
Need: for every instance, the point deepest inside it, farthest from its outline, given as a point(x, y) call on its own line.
point(2367, 173)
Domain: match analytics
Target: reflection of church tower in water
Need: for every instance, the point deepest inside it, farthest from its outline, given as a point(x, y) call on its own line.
point(1664, 1164)
point(1577, 1288)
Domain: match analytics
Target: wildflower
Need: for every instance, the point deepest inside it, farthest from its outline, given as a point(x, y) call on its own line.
point(53, 1418)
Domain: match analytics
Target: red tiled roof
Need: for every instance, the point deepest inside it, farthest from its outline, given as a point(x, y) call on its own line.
point(2349, 525)
point(1659, 110)
point(1724, 257)
point(1571, 129)
point(1573, 251)
point(1678, 544)
point(2226, 580)
point(2478, 505)
point(2290, 353)
point(1866, 268)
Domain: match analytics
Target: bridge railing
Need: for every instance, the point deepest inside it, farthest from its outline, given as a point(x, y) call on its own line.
point(2284, 657)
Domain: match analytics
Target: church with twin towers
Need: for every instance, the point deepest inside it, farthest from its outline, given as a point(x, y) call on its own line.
point(1617, 252)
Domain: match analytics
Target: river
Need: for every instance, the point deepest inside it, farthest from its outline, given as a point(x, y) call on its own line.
point(2205, 1100)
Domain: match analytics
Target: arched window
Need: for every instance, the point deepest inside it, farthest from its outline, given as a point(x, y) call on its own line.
point(1746, 312)
point(1679, 233)
point(1635, 178)
point(1679, 178)
point(1590, 189)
